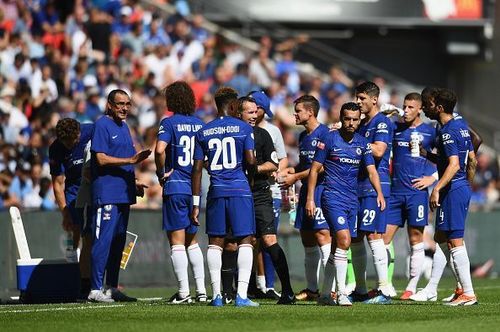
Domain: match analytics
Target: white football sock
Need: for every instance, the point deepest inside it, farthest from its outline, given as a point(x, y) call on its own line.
point(325, 253)
point(379, 254)
point(340, 260)
point(214, 262)
point(196, 259)
point(438, 265)
point(245, 261)
point(325, 256)
point(329, 276)
point(417, 257)
point(261, 283)
point(358, 257)
point(454, 270)
point(462, 265)
point(180, 263)
point(311, 262)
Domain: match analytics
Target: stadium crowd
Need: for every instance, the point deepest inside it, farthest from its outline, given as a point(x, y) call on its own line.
point(61, 59)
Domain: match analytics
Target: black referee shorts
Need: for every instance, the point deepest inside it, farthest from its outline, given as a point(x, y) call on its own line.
point(264, 216)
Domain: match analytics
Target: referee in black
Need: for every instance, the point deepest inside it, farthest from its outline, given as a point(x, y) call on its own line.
point(267, 162)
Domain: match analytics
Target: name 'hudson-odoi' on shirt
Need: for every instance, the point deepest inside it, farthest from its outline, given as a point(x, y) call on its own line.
point(221, 130)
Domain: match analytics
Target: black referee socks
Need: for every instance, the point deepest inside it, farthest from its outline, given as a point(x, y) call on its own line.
point(281, 266)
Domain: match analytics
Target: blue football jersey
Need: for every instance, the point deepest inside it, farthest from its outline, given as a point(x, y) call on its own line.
point(307, 148)
point(179, 131)
point(112, 184)
point(342, 161)
point(224, 141)
point(406, 168)
point(379, 129)
point(70, 162)
point(454, 140)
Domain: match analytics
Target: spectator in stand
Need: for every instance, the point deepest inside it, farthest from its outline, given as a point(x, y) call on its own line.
point(485, 185)
point(241, 82)
point(122, 25)
point(262, 69)
point(288, 72)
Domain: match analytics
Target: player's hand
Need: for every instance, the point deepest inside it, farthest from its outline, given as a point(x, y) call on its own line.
point(164, 178)
point(287, 181)
point(194, 215)
point(310, 209)
point(140, 156)
point(67, 222)
point(434, 199)
point(381, 202)
point(423, 182)
point(139, 187)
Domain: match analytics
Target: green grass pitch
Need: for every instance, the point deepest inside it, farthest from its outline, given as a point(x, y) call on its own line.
point(155, 315)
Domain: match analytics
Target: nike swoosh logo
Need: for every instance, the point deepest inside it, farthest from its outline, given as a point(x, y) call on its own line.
point(319, 223)
point(113, 137)
point(398, 133)
point(419, 219)
point(335, 150)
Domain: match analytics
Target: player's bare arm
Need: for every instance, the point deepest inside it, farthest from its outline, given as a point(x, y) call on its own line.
point(450, 171)
point(378, 149)
point(375, 181)
point(471, 166)
point(196, 190)
point(311, 186)
point(267, 167)
point(475, 138)
point(58, 185)
point(251, 165)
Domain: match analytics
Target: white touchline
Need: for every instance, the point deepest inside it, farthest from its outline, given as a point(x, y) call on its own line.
point(63, 308)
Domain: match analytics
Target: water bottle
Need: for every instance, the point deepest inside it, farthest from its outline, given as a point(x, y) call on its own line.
point(415, 144)
point(71, 254)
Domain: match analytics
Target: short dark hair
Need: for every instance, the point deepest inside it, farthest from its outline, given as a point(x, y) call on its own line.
point(369, 88)
point(113, 93)
point(67, 128)
point(441, 96)
point(223, 97)
point(446, 98)
point(180, 98)
point(414, 96)
point(309, 102)
point(350, 106)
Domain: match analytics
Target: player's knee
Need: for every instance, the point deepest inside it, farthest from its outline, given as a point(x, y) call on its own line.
point(269, 240)
point(323, 237)
point(374, 236)
point(343, 241)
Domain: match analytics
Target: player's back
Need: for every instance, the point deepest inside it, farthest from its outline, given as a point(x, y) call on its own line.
point(406, 168)
point(179, 131)
point(454, 139)
point(224, 141)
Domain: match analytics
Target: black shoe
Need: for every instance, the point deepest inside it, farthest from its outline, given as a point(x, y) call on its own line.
point(272, 294)
point(177, 299)
point(259, 294)
point(287, 299)
point(227, 298)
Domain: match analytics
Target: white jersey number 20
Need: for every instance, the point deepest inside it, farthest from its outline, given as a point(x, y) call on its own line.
point(225, 153)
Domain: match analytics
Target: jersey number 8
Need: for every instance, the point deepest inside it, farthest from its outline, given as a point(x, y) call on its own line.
point(225, 153)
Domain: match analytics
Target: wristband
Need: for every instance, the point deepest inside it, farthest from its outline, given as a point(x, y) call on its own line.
point(196, 200)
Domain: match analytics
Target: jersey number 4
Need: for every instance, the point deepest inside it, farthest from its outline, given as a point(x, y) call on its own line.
point(224, 155)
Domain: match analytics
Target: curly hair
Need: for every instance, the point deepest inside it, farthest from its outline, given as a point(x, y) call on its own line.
point(180, 98)
point(67, 129)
